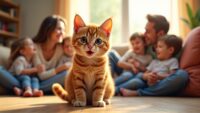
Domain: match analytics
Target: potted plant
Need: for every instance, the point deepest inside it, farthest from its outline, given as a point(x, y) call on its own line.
point(193, 19)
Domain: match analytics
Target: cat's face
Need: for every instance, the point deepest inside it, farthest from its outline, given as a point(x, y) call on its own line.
point(91, 40)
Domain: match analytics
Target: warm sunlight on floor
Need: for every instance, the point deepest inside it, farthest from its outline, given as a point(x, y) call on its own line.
point(52, 104)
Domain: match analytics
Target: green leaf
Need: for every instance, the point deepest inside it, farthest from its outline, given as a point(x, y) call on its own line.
point(190, 14)
point(193, 19)
point(197, 18)
point(186, 22)
point(195, 24)
point(198, 15)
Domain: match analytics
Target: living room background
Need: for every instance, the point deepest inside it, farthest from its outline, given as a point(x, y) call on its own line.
point(123, 12)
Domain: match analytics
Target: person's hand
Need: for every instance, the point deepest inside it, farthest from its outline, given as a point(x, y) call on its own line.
point(136, 64)
point(61, 68)
point(68, 64)
point(134, 69)
point(152, 78)
point(64, 66)
point(40, 68)
point(131, 60)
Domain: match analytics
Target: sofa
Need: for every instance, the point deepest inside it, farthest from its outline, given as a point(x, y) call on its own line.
point(189, 61)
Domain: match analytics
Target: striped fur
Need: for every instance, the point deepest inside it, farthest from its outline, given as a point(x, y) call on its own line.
point(89, 81)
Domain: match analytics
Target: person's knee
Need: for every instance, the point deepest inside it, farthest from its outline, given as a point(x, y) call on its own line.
point(138, 83)
point(27, 78)
point(139, 75)
point(127, 74)
point(62, 75)
point(34, 79)
point(110, 53)
point(5, 73)
point(113, 54)
point(182, 75)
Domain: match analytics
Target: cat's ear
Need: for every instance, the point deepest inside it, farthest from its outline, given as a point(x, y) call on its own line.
point(78, 22)
point(107, 26)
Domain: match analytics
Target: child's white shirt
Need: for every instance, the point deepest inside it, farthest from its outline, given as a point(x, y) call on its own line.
point(144, 59)
point(19, 64)
point(163, 67)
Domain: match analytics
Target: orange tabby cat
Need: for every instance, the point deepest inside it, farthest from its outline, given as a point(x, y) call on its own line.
point(89, 80)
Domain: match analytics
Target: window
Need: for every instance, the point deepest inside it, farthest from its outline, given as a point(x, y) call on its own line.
point(140, 8)
point(100, 10)
point(128, 16)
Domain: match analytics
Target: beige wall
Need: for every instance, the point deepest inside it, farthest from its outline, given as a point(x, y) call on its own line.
point(32, 14)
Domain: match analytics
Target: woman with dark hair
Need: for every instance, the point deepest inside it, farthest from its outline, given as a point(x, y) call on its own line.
point(49, 52)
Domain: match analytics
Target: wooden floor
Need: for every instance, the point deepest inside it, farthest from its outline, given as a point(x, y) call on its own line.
point(52, 104)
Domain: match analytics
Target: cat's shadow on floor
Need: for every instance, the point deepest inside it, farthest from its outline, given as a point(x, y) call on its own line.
point(50, 108)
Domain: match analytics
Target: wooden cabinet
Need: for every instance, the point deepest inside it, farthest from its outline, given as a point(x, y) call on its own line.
point(9, 20)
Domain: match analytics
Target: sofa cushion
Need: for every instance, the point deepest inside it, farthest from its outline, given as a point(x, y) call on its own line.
point(5, 51)
point(121, 49)
point(190, 61)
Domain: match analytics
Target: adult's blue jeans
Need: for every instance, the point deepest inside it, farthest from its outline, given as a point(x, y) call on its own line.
point(124, 77)
point(128, 80)
point(169, 86)
point(113, 60)
point(46, 85)
point(9, 81)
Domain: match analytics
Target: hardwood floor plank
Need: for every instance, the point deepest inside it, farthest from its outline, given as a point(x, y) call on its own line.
point(52, 104)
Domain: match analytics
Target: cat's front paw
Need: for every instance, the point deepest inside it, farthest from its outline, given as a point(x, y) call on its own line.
point(107, 101)
point(99, 104)
point(79, 103)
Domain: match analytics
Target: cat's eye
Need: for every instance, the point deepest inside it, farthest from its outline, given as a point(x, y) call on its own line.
point(83, 40)
point(98, 41)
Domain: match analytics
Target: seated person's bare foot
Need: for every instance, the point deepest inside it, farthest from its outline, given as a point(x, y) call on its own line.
point(17, 91)
point(28, 92)
point(128, 93)
point(37, 93)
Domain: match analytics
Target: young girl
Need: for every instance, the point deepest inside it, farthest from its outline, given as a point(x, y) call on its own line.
point(21, 57)
point(134, 61)
point(68, 53)
point(163, 66)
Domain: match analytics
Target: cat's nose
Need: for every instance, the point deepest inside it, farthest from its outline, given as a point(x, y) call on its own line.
point(89, 46)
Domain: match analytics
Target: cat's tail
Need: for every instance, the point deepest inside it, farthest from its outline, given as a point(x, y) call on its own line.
point(60, 92)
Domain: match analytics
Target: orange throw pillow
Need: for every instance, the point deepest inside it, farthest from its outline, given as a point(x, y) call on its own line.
point(190, 61)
